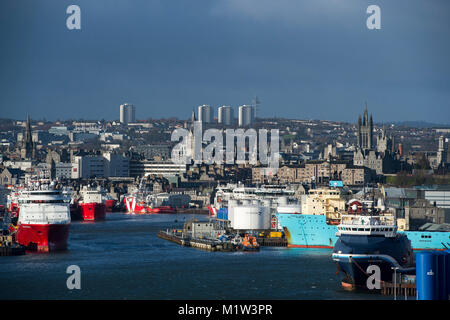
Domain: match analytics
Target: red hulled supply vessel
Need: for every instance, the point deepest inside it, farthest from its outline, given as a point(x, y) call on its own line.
point(137, 202)
point(92, 207)
point(142, 201)
point(44, 219)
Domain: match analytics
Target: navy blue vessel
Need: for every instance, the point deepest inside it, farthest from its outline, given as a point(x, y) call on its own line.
point(368, 245)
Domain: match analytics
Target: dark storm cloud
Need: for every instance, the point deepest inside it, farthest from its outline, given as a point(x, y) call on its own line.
point(304, 59)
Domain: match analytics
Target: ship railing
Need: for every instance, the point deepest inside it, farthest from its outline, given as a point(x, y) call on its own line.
point(368, 220)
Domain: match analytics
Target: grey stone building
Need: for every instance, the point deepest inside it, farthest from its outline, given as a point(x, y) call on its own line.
point(365, 131)
point(421, 212)
point(380, 157)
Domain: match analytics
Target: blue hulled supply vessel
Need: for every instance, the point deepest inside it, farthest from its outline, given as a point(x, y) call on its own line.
point(318, 230)
point(369, 245)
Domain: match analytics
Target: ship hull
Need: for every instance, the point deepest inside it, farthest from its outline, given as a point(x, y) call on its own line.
point(164, 209)
point(354, 254)
point(75, 212)
point(43, 237)
point(110, 203)
point(93, 211)
point(142, 208)
point(312, 231)
point(133, 207)
point(355, 273)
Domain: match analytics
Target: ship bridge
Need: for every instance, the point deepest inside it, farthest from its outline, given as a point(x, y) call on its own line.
point(383, 225)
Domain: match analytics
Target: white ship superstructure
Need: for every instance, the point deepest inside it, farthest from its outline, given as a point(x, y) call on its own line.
point(44, 219)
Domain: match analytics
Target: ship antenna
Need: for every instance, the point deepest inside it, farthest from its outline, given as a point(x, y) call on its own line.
point(373, 198)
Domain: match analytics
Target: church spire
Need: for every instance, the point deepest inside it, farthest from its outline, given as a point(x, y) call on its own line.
point(366, 115)
point(28, 145)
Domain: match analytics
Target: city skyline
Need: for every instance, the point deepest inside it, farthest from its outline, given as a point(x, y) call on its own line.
point(308, 60)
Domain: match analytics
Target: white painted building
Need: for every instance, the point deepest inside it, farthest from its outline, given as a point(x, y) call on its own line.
point(100, 166)
point(91, 166)
point(142, 168)
point(127, 113)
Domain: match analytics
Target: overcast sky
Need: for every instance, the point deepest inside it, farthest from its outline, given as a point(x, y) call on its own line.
point(304, 59)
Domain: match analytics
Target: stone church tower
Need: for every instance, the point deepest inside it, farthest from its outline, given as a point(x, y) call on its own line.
point(441, 153)
point(28, 149)
point(365, 131)
point(385, 142)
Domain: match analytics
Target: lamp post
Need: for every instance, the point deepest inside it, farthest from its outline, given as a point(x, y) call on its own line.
point(395, 281)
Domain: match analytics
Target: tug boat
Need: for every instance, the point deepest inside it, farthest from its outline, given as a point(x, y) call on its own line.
point(371, 239)
point(249, 244)
point(137, 201)
point(135, 205)
point(44, 220)
point(91, 206)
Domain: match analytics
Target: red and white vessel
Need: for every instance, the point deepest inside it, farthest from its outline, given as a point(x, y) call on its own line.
point(138, 205)
point(138, 201)
point(44, 219)
point(142, 201)
point(91, 205)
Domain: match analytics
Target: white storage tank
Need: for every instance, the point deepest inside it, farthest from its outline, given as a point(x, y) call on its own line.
point(231, 205)
point(282, 201)
point(267, 203)
point(251, 218)
point(289, 208)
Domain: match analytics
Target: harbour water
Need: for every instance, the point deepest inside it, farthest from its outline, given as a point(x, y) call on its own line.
point(122, 258)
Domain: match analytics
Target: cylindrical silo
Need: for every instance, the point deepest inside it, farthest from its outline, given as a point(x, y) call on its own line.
point(282, 201)
point(426, 276)
point(249, 218)
point(231, 205)
point(267, 203)
point(441, 275)
point(447, 273)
